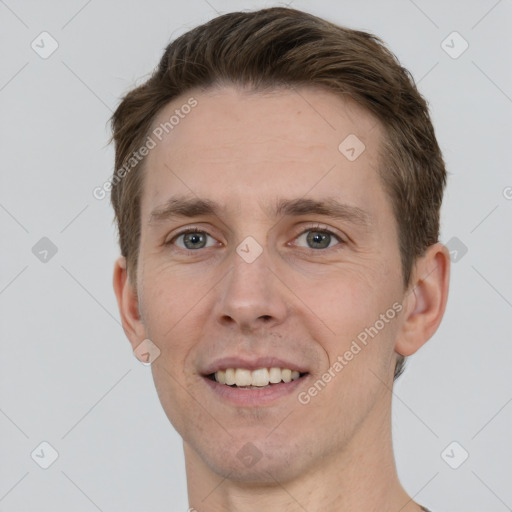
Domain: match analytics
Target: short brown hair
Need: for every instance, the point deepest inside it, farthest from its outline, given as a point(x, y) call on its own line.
point(282, 48)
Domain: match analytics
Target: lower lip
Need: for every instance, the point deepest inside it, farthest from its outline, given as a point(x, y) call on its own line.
point(254, 397)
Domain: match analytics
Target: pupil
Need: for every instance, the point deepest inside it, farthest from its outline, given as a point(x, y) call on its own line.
point(193, 239)
point(319, 239)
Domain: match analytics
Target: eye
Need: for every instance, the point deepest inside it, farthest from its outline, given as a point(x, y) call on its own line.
point(319, 238)
point(192, 239)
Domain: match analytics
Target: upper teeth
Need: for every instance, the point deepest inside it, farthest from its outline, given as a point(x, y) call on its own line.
point(260, 377)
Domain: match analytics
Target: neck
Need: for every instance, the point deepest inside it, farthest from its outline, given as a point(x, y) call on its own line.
point(360, 478)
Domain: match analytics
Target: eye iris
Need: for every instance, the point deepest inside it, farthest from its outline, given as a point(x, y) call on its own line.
point(194, 239)
point(316, 237)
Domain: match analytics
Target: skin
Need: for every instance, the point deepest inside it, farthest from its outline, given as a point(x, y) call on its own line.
point(301, 303)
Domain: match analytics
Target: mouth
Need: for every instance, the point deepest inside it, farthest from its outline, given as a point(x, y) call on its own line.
point(257, 379)
point(254, 381)
point(259, 387)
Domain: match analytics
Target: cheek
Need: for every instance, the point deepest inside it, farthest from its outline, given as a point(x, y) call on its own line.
point(169, 322)
point(170, 388)
point(168, 301)
point(347, 308)
point(340, 298)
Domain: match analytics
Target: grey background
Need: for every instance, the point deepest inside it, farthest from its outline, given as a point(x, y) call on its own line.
point(67, 374)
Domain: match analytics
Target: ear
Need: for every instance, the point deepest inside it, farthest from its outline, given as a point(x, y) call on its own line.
point(128, 303)
point(425, 299)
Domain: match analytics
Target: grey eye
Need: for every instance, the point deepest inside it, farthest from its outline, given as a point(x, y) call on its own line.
point(194, 240)
point(318, 239)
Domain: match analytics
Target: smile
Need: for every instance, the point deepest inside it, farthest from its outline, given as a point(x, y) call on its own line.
point(254, 379)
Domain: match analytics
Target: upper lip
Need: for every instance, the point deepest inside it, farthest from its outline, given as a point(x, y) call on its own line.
point(251, 364)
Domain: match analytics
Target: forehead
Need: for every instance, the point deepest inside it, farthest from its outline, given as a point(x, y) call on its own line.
point(298, 115)
point(282, 142)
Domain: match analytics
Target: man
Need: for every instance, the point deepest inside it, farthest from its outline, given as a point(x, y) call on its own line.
point(277, 191)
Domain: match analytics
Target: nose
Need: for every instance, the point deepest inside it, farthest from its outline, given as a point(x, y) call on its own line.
point(251, 296)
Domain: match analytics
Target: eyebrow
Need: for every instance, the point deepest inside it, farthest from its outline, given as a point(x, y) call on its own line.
point(329, 207)
point(177, 207)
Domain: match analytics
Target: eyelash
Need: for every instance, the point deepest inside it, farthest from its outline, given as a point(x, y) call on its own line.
point(191, 229)
point(325, 230)
point(317, 227)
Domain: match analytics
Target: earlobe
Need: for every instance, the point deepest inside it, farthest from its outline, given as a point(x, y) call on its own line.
point(425, 300)
point(127, 301)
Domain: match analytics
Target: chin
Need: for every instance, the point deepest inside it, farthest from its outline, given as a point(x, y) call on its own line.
point(257, 462)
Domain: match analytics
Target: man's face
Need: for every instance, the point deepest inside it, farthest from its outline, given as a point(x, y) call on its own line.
point(268, 279)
